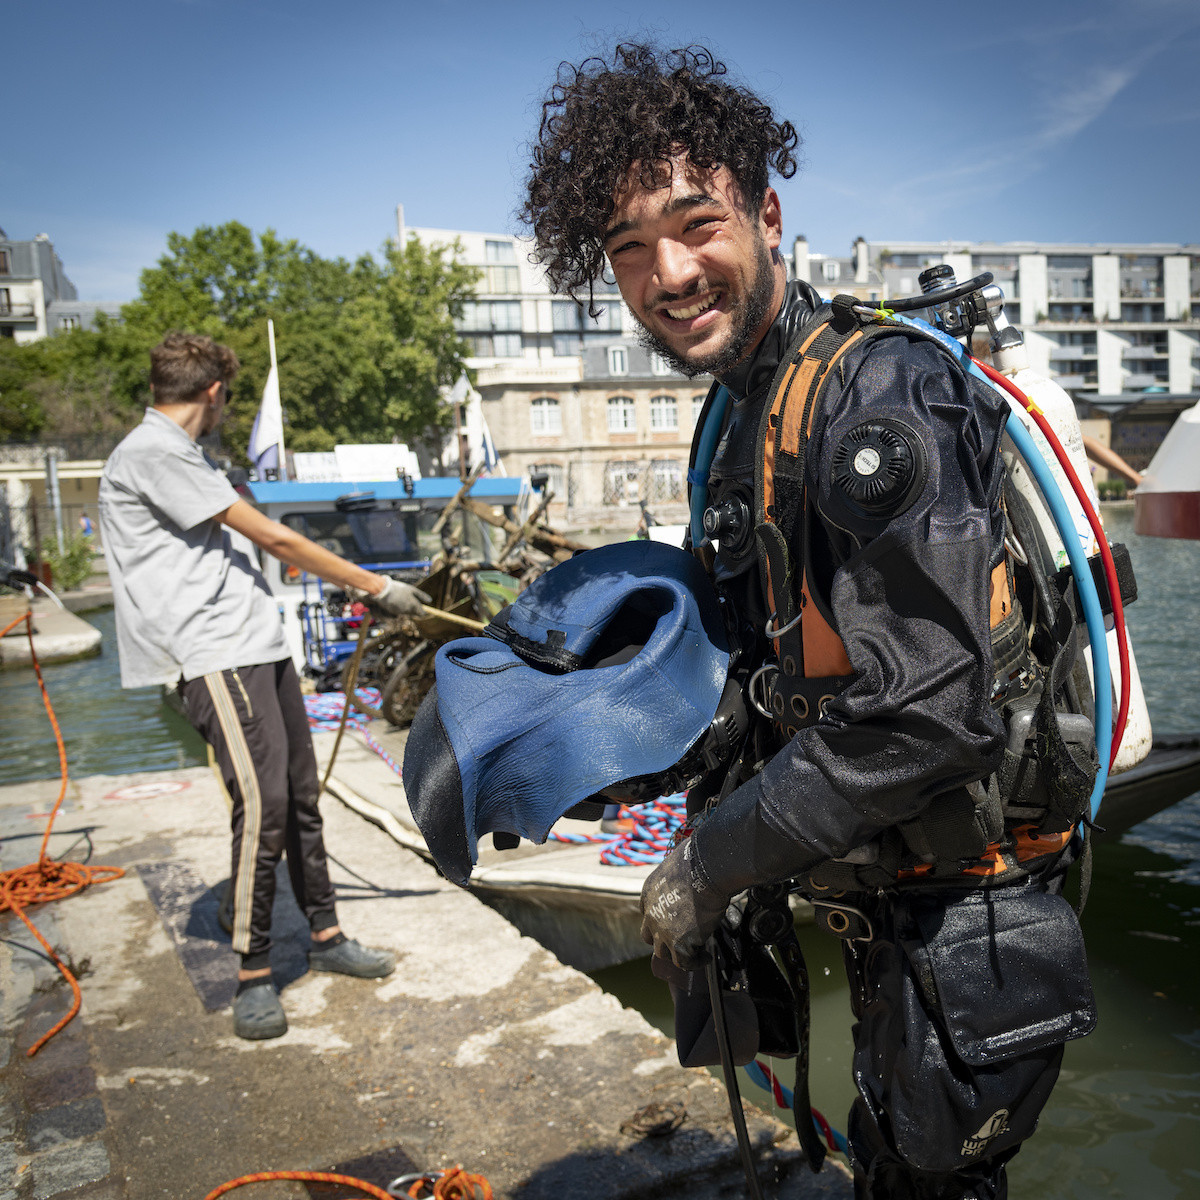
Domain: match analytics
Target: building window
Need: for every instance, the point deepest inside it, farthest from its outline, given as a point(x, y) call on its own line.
point(71, 322)
point(621, 415)
point(664, 413)
point(553, 473)
point(621, 480)
point(665, 481)
point(487, 316)
point(569, 316)
point(493, 345)
point(500, 252)
point(618, 360)
point(501, 280)
point(5, 300)
point(831, 269)
point(659, 365)
point(697, 408)
point(5, 269)
point(545, 417)
point(567, 343)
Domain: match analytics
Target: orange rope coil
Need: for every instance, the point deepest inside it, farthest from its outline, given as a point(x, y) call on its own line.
point(454, 1184)
point(47, 879)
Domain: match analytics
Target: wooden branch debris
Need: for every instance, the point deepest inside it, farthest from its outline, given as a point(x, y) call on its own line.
point(456, 500)
point(537, 536)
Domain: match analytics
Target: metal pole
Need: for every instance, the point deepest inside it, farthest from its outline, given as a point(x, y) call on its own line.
point(52, 453)
point(729, 1070)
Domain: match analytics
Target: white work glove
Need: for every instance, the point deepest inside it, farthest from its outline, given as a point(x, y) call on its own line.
point(396, 600)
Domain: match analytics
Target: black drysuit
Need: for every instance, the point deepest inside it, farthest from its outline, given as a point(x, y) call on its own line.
point(964, 995)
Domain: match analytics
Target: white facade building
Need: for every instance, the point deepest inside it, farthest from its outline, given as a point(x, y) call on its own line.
point(36, 297)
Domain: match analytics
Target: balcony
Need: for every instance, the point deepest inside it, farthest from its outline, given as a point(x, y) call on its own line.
point(17, 312)
point(1071, 353)
point(1076, 379)
point(1142, 291)
point(1141, 381)
point(1141, 353)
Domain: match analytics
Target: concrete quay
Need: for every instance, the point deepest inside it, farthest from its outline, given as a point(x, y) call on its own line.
point(482, 1048)
point(58, 634)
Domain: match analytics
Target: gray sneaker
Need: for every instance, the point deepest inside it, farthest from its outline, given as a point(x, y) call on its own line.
point(353, 958)
point(258, 1014)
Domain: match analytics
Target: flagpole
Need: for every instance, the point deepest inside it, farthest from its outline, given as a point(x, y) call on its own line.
point(283, 471)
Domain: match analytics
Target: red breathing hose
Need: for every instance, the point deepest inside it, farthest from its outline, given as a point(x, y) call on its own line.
point(1110, 567)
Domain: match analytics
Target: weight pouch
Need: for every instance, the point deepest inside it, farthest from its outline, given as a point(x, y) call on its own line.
point(967, 999)
point(695, 1034)
point(1002, 969)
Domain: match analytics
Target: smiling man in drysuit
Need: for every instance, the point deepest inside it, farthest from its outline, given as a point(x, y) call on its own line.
point(884, 558)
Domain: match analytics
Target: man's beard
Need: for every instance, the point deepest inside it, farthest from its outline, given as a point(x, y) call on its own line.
point(753, 310)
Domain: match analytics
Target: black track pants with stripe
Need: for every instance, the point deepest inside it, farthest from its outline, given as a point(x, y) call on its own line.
point(254, 719)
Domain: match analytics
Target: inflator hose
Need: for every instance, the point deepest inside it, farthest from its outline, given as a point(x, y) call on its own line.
point(1084, 583)
point(698, 475)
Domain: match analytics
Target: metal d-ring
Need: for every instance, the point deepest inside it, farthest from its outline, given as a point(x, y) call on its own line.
point(404, 1182)
point(766, 712)
point(842, 910)
point(778, 633)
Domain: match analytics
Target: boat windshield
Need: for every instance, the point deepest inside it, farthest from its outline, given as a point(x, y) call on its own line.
point(383, 536)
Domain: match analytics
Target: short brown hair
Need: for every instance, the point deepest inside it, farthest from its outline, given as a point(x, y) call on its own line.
point(184, 364)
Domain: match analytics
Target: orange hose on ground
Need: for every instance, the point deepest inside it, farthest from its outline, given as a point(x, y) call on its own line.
point(303, 1177)
point(47, 879)
point(454, 1184)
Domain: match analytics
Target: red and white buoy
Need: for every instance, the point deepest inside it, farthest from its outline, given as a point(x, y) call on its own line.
point(1167, 501)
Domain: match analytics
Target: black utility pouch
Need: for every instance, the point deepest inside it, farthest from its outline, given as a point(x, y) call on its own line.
point(1003, 970)
point(760, 1008)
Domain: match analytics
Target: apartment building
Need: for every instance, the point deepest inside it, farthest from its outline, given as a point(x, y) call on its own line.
point(36, 297)
point(573, 395)
point(1116, 324)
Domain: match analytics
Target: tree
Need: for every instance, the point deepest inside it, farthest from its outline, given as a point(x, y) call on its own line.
point(364, 349)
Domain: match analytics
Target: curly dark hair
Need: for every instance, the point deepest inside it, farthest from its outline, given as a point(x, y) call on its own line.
point(646, 106)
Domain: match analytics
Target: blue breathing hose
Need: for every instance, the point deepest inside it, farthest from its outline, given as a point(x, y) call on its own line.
point(1084, 583)
point(698, 476)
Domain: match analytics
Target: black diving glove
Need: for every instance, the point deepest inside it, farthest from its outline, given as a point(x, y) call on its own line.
point(680, 909)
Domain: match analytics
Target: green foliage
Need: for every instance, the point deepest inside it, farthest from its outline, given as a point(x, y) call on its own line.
point(71, 568)
point(1111, 489)
point(21, 412)
point(364, 348)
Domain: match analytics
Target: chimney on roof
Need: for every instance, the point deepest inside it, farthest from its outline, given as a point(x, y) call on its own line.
point(862, 261)
point(800, 266)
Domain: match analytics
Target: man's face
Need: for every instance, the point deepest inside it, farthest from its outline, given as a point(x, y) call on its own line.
point(696, 269)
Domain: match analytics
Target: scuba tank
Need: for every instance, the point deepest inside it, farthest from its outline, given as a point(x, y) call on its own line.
point(1006, 348)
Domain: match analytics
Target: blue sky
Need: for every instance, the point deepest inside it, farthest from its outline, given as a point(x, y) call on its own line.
point(1047, 121)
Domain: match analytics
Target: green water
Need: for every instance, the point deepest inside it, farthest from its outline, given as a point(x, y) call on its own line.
point(107, 731)
point(1124, 1120)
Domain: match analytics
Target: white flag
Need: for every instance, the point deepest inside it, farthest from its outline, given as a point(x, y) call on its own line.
point(266, 438)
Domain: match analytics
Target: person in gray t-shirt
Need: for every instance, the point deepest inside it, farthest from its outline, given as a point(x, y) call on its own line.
point(192, 606)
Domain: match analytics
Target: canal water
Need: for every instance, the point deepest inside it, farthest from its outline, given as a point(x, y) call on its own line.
point(107, 731)
point(1124, 1121)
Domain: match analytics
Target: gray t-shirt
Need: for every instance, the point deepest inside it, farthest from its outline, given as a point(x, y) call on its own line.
point(188, 594)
